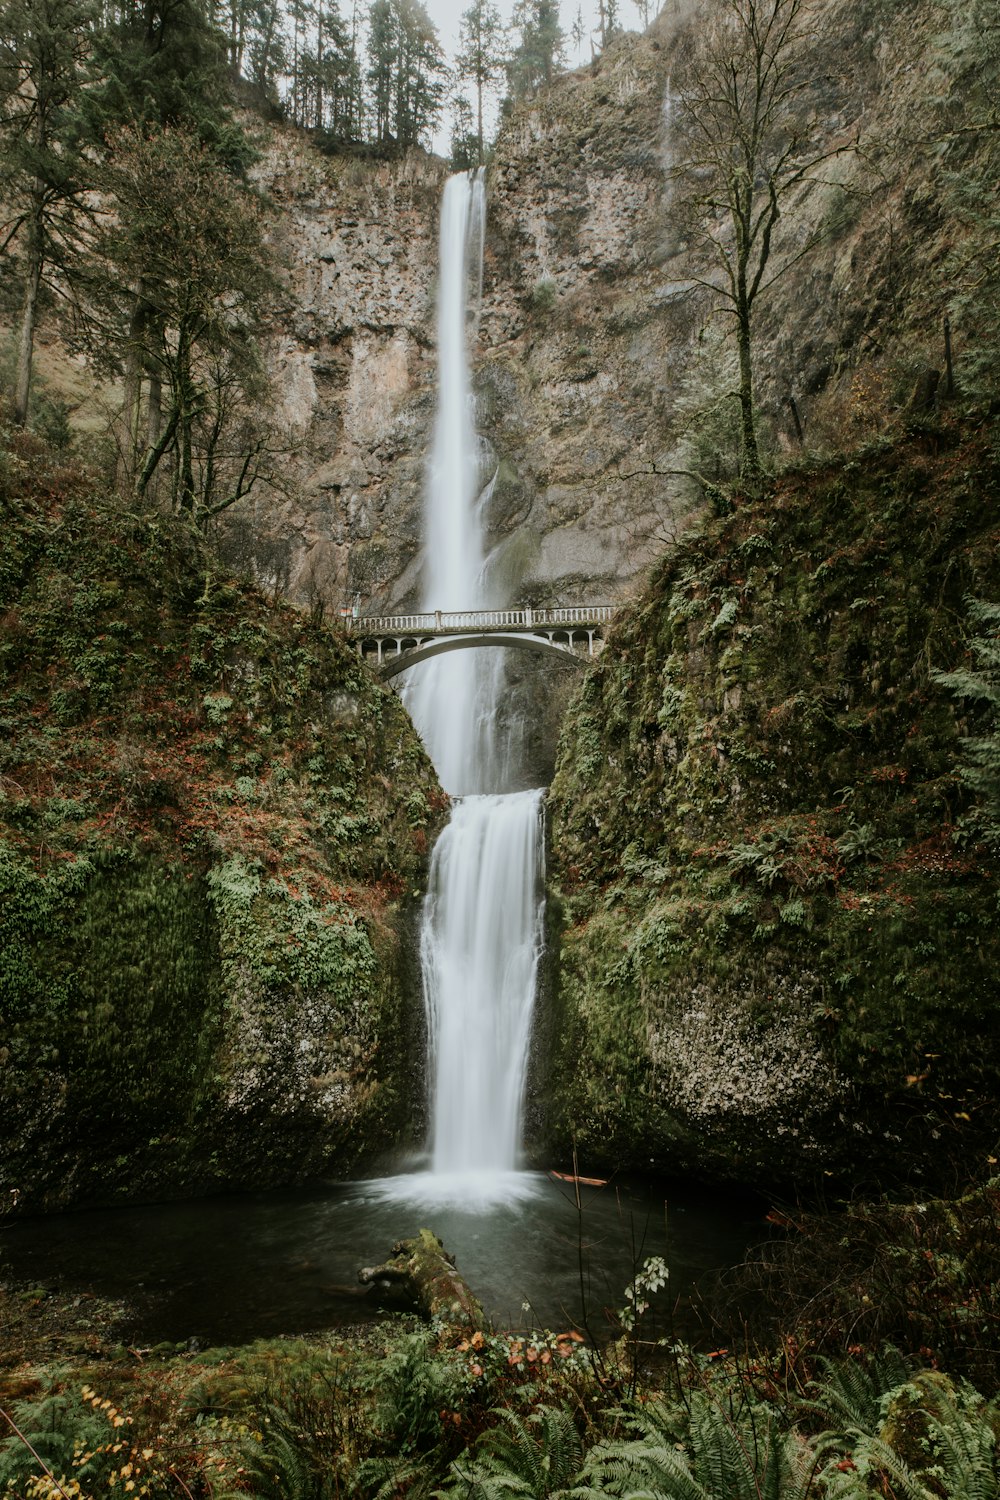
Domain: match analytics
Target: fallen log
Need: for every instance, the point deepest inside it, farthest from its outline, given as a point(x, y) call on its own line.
point(423, 1274)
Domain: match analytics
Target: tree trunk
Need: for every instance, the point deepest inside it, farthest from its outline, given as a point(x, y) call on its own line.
point(424, 1275)
point(749, 454)
point(29, 314)
point(479, 112)
point(185, 408)
point(154, 428)
point(128, 457)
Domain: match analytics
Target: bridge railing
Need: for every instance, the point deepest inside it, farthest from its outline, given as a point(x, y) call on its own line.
point(434, 621)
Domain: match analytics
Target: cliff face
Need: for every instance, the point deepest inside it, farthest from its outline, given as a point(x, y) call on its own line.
point(601, 365)
point(353, 371)
point(774, 938)
point(213, 823)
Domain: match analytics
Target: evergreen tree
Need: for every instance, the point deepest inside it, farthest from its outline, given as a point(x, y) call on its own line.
point(263, 57)
point(381, 70)
point(540, 46)
point(302, 15)
point(464, 137)
point(192, 238)
point(331, 77)
point(482, 54)
point(406, 72)
point(163, 62)
point(44, 173)
point(159, 63)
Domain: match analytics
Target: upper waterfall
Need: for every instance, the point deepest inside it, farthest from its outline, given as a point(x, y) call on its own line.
point(453, 701)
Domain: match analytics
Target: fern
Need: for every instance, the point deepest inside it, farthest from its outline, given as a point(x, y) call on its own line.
point(980, 684)
point(850, 1393)
point(730, 1459)
point(537, 1458)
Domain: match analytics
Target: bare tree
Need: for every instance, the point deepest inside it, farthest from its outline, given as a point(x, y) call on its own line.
point(744, 138)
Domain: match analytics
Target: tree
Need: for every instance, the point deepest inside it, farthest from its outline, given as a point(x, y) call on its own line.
point(540, 46)
point(607, 20)
point(44, 177)
point(742, 141)
point(192, 237)
point(482, 54)
point(157, 63)
point(405, 74)
point(464, 139)
point(162, 62)
point(264, 47)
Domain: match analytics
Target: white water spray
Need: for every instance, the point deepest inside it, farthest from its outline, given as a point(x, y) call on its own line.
point(482, 925)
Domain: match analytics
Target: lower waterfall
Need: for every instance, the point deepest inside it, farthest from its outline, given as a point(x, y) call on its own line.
point(479, 950)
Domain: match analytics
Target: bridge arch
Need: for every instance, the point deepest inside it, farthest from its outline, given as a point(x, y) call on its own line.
point(391, 666)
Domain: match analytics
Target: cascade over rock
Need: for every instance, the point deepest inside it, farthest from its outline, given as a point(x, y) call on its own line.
point(481, 931)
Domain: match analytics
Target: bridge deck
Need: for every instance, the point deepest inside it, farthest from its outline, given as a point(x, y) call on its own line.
point(462, 621)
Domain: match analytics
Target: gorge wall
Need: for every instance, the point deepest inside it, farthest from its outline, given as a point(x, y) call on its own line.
point(213, 836)
point(601, 365)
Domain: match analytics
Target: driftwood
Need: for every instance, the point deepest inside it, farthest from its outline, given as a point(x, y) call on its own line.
point(423, 1274)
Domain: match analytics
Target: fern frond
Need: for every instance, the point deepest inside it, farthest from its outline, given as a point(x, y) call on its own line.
point(875, 1457)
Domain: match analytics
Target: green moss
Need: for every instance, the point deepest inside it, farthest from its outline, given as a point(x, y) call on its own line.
point(756, 824)
point(212, 824)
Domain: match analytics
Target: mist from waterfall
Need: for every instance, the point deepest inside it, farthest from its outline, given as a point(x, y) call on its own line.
point(482, 923)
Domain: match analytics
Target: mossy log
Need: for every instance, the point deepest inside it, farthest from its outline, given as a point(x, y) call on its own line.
point(422, 1272)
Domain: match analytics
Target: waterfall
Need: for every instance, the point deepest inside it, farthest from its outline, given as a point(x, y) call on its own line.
point(479, 949)
point(482, 922)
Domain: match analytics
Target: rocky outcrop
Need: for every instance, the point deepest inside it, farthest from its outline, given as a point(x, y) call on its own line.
point(601, 366)
point(213, 836)
point(773, 933)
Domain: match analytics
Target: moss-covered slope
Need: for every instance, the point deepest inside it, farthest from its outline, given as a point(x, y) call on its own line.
point(778, 951)
point(212, 824)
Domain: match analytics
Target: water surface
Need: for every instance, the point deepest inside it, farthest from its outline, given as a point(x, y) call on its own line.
point(231, 1269)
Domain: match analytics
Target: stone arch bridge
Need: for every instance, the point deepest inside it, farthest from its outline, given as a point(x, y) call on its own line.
point(392, 643)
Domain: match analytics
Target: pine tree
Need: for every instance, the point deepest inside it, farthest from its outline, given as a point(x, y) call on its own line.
point(482, 54)
point(540, 46)
point(406, 73)
point(264, 56)
point(382, 44)
point(464, 138)
point(45, 174)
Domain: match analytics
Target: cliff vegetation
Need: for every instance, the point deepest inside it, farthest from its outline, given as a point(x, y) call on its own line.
point(774, 907)
point(212, 826)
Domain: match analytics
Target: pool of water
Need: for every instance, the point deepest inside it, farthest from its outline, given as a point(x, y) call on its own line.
point(231, 1269)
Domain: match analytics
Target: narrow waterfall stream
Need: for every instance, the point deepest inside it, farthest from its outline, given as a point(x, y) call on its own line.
point(482, 929)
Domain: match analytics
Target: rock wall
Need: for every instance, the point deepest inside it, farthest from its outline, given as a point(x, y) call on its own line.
point(773, 931)
point(601, 364)
point(214, 826)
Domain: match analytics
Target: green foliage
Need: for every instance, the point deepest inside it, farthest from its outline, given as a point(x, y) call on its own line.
point(284, 936)
point(531, 1457)
point(405, 72)
point(200, 861)
point(544, 295)
point(979, 685)
point(539, 46)
point(763, 777)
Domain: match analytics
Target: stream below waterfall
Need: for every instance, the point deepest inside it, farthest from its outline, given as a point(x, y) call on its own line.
point(230, 1269)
